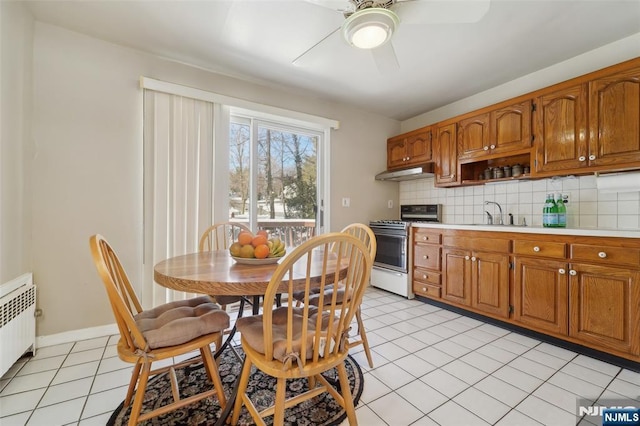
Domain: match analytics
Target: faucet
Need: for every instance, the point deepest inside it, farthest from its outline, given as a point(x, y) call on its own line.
point(499, 221)
point(489, 218)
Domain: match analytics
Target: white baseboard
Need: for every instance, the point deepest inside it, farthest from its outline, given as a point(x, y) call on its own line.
point(76, 335)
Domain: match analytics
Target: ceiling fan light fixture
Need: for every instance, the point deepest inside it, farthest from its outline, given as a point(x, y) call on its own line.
point(370, 28)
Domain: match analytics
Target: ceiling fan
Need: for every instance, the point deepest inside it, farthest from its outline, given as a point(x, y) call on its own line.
point(370, 24)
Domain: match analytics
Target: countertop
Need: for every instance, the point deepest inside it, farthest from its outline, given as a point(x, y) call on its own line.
point(591, 232)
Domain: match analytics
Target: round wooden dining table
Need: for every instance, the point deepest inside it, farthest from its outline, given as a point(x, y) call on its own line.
point(217, 273)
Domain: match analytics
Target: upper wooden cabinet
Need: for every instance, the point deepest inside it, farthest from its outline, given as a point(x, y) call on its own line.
point(593, 126)
point(614, 119)
point(560, 126)
point(409, 149)
point(500, 131)
point(445, 152)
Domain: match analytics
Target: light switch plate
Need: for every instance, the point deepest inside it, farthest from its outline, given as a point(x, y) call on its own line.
point(346, 202)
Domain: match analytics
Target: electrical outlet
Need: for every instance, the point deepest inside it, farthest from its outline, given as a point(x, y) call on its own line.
point(346, 202)
point(390, 204)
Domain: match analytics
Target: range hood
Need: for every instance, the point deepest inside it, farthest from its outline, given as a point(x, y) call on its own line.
point(407, 174)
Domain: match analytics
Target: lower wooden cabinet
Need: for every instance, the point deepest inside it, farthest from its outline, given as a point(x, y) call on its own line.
point(456, 280)
point(490, 283)
point(540, 294)
point(604, 306)
point(582, 289)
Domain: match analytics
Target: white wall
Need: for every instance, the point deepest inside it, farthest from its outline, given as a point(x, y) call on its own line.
point(87, 165)
point(610, 54)
point(15, 86)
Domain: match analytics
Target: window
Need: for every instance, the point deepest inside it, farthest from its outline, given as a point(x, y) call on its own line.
point(274, 179)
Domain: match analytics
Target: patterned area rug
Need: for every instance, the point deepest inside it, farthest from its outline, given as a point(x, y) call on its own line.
point(322, 410)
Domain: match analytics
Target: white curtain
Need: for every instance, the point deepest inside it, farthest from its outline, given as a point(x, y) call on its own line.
point(178, 180)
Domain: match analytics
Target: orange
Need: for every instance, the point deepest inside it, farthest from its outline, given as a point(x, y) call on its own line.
point(258, 240)
point(261, 251)
point(245, 238)
point(263, 233)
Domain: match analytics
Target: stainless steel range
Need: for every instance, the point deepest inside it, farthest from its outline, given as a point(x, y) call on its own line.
point(391, 266)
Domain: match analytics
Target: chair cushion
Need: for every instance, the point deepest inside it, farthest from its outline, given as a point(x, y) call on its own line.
point(178, 322)
point(314, 295)
point(252, 331)
point(226, 300)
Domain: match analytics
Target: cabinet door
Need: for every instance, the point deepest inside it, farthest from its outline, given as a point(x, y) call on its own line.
point(419, 148)
point(511, 128)
point(540, 294)
point(473, 136)
point(446, 155)
point(490, 283)
point(396, 153)
point(456, 282)
point(561, 141)
point(603, 305)
point(614, 119)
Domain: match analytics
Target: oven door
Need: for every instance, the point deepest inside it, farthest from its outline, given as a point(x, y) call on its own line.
point(392, 250)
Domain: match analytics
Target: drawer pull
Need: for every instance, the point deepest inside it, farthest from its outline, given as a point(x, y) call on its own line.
point(473, 259)
point(582, 158)
point(536, 249)
point(425, 257)
point(425, 238)
point(424, 277)
point(602, 255)
point(424, 289)
point(561, 271)
point(573, 272)
point(466, 258)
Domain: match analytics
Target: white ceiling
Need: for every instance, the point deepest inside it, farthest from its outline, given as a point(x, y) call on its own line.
point(439, 63)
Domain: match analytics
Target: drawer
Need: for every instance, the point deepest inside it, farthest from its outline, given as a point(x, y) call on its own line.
point(607, 255)
point(426, 276)
point(551, 249)
point(426, 236)
point(426, 256)
point(428, 290)
point(484, 244)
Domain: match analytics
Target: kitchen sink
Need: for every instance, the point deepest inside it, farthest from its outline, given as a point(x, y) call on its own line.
point(495, 224)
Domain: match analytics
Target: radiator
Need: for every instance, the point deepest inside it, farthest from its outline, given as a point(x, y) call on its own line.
point(17, 320)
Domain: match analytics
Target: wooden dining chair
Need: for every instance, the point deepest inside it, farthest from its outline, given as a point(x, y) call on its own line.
point(220, 236)
point(161, 333)
point(366, 235)
point(293, 342)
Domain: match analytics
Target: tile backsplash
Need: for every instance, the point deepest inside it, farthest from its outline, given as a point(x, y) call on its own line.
point(587, 207)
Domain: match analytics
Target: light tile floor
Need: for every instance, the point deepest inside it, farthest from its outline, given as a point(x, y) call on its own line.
point(432, 367)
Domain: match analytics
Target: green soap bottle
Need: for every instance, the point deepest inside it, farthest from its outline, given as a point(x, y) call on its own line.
point(546, 211)
point(562, 211)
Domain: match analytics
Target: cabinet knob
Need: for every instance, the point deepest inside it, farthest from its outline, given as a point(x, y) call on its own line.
point(486, 148)
point(466, 258)
point(424, 289)
point(492, 147)
point(425, 257)
point(536, 249)
point(424, 277)
point(602, 255)
point(592, 157)
point(582, 158)
point(573, 272)
point(473, 259)
point(425, 238)
point(561, 271)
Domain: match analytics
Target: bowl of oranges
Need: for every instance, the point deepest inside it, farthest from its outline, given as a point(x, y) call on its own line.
point(258, 249)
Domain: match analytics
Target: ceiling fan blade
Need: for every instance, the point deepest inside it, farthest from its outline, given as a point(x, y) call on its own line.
point(303, 57)
point(386, 59)
point(441, 11)
point(339, 5)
